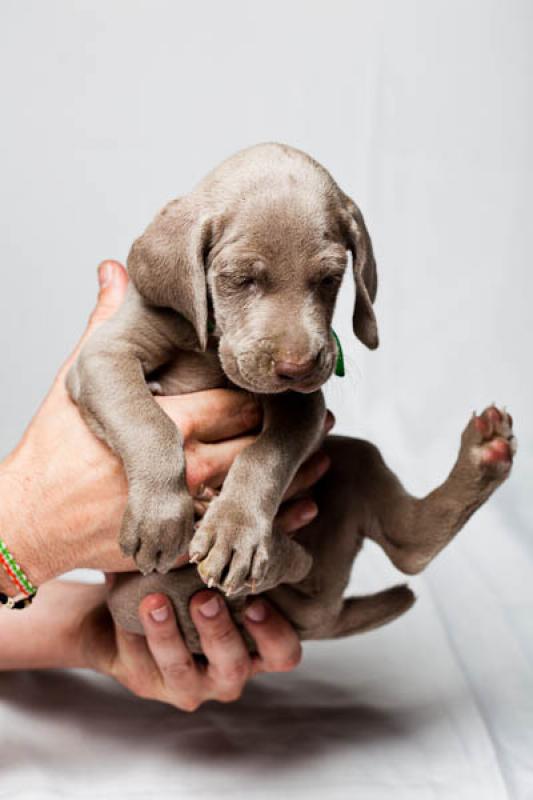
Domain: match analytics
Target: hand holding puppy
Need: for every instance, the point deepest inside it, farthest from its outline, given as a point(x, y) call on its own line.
point(63, 491)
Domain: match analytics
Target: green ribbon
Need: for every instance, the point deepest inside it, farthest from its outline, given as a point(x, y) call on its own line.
point(339, 364)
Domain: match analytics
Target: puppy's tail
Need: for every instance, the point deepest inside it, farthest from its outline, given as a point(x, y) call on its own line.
point(361, 614)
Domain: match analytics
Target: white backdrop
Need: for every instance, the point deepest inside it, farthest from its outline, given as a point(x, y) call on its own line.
point(422, 111)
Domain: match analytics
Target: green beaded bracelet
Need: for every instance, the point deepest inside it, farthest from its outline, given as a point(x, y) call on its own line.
point(17, 576)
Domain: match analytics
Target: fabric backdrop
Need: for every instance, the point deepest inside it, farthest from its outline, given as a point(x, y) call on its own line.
point(422, 111)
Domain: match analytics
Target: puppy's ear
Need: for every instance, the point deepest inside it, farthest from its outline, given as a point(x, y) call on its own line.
point(167, 263)
point(365, 325)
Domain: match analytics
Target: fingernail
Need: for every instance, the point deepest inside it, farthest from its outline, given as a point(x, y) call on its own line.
point(309, 512)
point(257, 611)
point(211, 608)
point(105, 274)
point(159, 614)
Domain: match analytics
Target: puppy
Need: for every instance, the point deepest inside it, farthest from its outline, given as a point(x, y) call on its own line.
point(235, 284)
point(359, 497)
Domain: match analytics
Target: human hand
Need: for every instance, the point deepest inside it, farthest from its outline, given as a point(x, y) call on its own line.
point(158, 666)
point(71, 627)
point(63, 491)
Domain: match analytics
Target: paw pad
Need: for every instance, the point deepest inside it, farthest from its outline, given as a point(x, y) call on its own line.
point(495, 443)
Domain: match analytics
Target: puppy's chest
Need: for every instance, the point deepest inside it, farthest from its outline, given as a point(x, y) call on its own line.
point(189, 372)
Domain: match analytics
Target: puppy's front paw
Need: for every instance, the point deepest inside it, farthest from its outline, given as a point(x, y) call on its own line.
point(489, 442)
point(157, 529)
point(231, 548)
point(238, 553)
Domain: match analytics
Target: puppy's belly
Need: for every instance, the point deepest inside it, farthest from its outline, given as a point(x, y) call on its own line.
point(189, 372)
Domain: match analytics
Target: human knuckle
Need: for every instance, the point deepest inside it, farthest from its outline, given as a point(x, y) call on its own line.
point(199, 470)
point(189, 704)
point(222, 634)
point(206, 468)
point(105, 307)
point(289, 661)
point(411, 563)
point(177, 671)
point(229, 695)
point(185, 424)
point(138, 686)
point(237, 672)
point(164, 635)
point(294, 660)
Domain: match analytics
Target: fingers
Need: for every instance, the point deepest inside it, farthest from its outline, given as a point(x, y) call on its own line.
point(277, 643)
point(229, 663)
point(109, 578)
point(160, 666)
point(210, 463)
point(213, 415)
point(295, 515)
point(179, 677)
point(134, 666)
point(329, 421)
point(309, 473)
point(113, 281)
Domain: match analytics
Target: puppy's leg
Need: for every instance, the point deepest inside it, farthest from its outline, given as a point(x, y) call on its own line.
point(365, 613)
point(360, 496)
point(107, 382)
point(235, 546)
point(412, 531)
point(317, 606)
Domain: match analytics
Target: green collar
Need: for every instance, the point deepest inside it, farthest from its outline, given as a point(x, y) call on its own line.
point(339, 364)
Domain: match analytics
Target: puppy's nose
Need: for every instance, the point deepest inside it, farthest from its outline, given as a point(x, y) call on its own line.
point(293, 369)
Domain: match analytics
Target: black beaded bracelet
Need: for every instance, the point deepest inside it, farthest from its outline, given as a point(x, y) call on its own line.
point(16, 602)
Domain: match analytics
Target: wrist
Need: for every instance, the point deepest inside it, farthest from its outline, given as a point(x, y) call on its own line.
point(19, 526)
point(50, 634)
point(85, 624)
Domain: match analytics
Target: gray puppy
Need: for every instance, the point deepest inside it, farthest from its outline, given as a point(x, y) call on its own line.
point(235, 285)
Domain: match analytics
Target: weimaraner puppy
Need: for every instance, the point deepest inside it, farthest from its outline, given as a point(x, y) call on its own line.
point(235, 285)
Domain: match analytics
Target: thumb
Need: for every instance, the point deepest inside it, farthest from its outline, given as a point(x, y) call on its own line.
point(113, 282)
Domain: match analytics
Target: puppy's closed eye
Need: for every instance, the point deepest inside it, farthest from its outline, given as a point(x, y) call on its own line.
point(245, 281)
point(238, 282)
point(243, 277)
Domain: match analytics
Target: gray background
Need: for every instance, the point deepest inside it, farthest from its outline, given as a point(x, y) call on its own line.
point(422, 111)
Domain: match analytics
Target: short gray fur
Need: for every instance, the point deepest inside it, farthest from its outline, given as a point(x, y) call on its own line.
point(258, 248)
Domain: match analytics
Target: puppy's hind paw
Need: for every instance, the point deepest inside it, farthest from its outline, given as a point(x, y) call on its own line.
point(491, 441)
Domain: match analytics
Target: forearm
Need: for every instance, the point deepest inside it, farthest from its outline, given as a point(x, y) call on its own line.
point(46, 635)
point(57, 514)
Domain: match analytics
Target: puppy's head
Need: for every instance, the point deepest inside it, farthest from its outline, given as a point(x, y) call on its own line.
point(261, 248)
